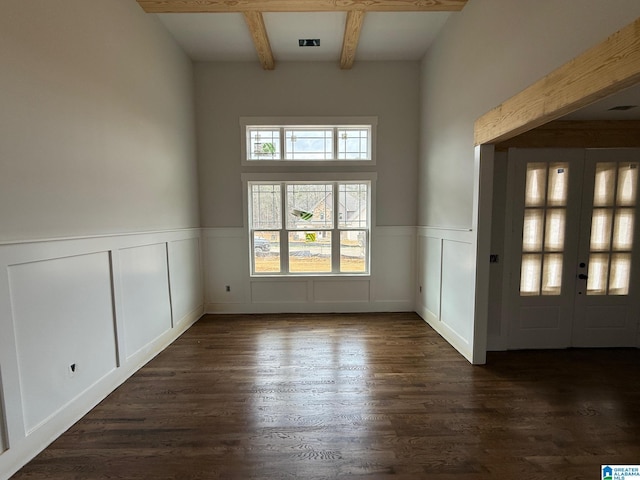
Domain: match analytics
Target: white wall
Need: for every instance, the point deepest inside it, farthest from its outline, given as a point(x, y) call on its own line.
point(227, 91)
point(97, 144)
point(485, 54)
point(97, 121)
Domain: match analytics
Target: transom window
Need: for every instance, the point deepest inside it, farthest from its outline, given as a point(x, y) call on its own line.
point(345, 140)
point(309, 227)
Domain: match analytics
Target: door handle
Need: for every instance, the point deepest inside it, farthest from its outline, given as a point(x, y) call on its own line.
point(582, 276)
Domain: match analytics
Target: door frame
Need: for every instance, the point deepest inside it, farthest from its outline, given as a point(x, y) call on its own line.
point(603, 70)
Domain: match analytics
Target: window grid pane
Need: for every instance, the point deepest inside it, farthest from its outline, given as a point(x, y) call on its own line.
point(353, 201)
point(530, 275)
point(552, 274)
point(612, 229)
point(264, 144)
point(266, 206)
point(308, 144)
point(620, 273)
point(353, 143)
point(310, 252)
point(601, 220)
point(627, 185)
point(533, 230)
point(558, 185)
point(598, 273)
point(604, 186)
point(266, 251)
point(309, 206)
point(623, 229)
point(554, 230)
point(536, 185)
point(543, 236)
point(353, 251)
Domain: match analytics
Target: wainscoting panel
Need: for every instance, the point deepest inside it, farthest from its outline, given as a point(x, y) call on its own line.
point(226, 265)
point(458, 277)
point(345, 291)
point(185, 277)
point(446, 274)
point(394, 267)
point(431, 281)
point(3, 423)
point(278, 291)
point(72, 311)
point(390, 287)
point(145, 295)
point(64, 327)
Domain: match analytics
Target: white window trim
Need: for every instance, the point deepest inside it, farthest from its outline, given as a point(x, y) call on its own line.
point(371, 122)
point(370, 177)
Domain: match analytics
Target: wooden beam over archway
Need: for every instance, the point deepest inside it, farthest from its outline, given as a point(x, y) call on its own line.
point(597, 73)
point(578, 134)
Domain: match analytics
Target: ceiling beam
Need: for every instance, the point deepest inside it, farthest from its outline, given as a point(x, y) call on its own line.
point(240, 6)
point(597, 73)
point(352, 29)
point(255, 22)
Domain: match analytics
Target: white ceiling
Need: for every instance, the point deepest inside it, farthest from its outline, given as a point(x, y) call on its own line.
point(601, 109)
point(211, 37)
point(208, 37)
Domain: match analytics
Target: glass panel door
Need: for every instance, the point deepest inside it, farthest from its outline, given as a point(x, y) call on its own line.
point(574, 234)
point(605, 308)
point(545, 204)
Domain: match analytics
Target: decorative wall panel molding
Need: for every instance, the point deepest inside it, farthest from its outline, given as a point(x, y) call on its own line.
point(78, 316)
point(388, 288)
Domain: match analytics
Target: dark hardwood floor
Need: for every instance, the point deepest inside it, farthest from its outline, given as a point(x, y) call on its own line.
point(353, 397)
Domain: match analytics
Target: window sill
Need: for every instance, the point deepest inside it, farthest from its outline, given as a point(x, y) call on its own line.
point(308, 163)
point(309, 276)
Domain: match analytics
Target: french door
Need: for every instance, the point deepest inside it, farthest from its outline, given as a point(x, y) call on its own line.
point(574, 268)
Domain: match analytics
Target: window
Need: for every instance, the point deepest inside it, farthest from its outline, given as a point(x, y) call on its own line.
point(544, 228)
point(305, 227)
point(612, 224)
point(303, 141)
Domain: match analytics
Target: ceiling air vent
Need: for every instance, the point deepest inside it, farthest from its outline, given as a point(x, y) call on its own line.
point(309, 42)
point(622, 108)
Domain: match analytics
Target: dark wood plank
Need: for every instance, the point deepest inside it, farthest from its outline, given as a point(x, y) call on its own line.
point(351, 397)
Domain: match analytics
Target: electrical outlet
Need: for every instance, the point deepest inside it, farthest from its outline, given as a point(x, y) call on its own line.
point(227, 288)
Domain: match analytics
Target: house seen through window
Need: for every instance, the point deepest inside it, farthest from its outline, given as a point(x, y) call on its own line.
point(309, 227)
